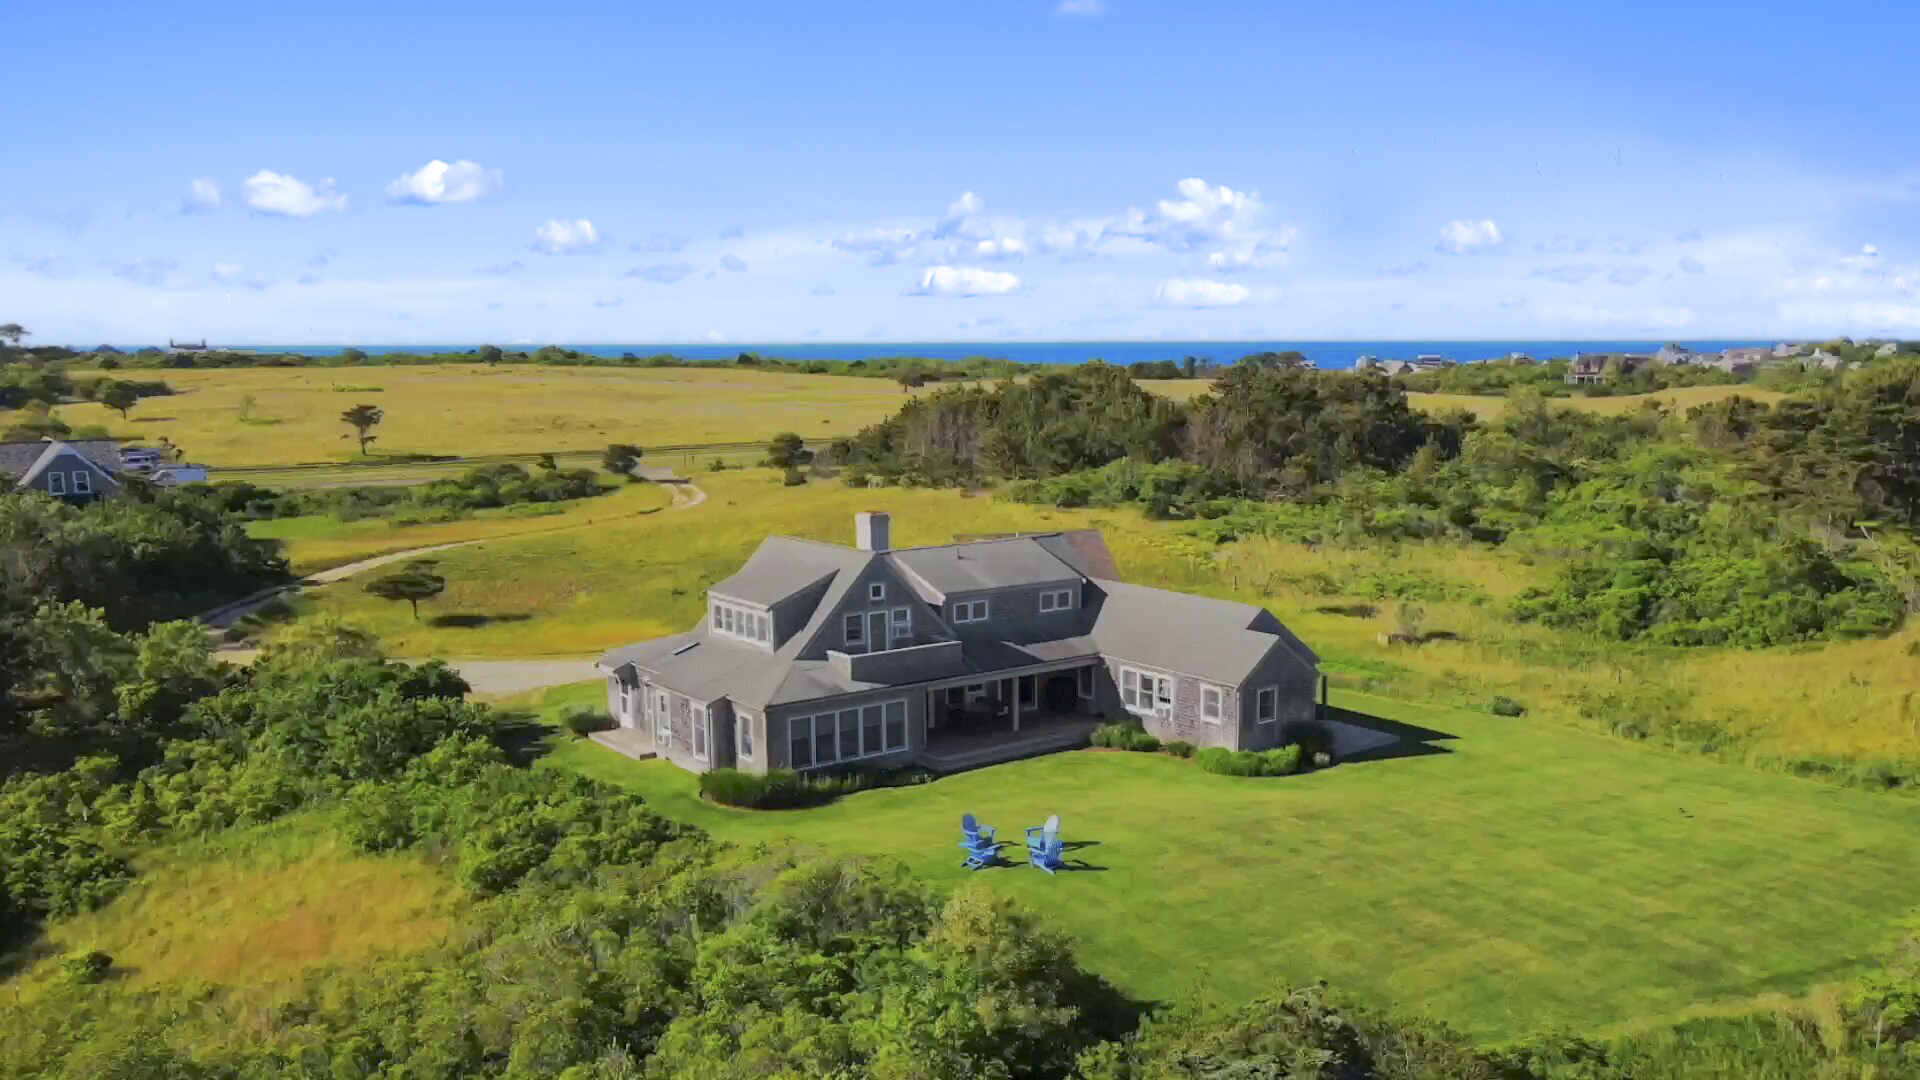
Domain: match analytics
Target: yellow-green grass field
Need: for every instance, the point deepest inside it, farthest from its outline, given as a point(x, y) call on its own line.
point(1678, 400)
point(473, 409)
point(1523, 876)
point(580, 590)
point(318, 541)
point(250, 910)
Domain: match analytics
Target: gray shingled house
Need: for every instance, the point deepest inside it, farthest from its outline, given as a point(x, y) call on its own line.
point(76, 470)
point(817, 655)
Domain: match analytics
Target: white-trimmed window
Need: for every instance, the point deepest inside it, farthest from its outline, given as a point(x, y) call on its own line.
point(900, 625)
point(1146, 692)
point(56, 483)
point(1213, 703)
point(800, 742)
point(853, 629)
point(969, 611)
point(700, 731)
point(663, 717)
point(1266, 705)
point(877, 592)
point(82, 483)
point(847, 734)
point(1056, 600)
point(743, 734)
point(1083, 682)
point(739, 621)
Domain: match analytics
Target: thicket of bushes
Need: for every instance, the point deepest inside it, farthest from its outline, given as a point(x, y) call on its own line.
point(479, 488)
point(1740, 524)
point(1280, 761)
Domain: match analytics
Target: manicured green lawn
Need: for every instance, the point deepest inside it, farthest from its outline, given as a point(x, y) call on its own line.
point(1529, 876)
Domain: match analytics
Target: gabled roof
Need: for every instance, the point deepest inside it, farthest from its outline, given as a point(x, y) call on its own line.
point(784, 565)
point(1217, 640)
point(25, 461)
point(984, 564)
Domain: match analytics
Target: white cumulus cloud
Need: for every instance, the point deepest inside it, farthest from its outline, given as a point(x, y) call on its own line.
point(1005, 247)
point(201, 195)
point(274, 193)
point(439, 182)
point(1206, 215)
point(1199, 292)
point(965, 281)
point(566, 237)
point(1465, 237)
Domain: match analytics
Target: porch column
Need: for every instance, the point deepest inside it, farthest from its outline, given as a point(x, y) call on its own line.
point(1014, 685)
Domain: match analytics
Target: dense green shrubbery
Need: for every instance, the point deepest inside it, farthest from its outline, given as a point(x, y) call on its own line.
point(153, 556)
point(1280, 761)
point(583, 720)
point(1501, 705)
point(479, 488)
point(1127, 736)
point(1179, 748)
point(783, 789)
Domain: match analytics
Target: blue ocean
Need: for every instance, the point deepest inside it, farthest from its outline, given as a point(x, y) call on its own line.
point(1326, 354)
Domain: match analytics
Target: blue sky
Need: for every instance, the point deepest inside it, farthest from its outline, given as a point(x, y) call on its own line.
point(989, 170)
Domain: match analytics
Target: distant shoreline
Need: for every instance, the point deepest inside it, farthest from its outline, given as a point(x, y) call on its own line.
point(1323, 354)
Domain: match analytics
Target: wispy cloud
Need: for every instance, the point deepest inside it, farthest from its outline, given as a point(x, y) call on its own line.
point(1691, 265)
point(961, 281)
point(657, 243)
point(1467, 237)
point(500, 267)
point(1200, 292)
point(1567, 274)
point(288, 196)
point(1081, 7)
point(662, 273)
point(732, 263)
point(201, 196)
point(1630, 275)
point(566, 237)
point(733, 232)
point(440, 182)
point(236, 274)
point(146, 271)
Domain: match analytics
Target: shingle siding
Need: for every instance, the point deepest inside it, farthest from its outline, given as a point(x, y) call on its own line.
point(779, 741)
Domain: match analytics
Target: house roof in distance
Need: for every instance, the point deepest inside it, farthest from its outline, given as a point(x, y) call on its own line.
point(23, 461)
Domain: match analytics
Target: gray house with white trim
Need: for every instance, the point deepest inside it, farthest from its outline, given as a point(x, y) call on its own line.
point(815, 655)
point(69, 470)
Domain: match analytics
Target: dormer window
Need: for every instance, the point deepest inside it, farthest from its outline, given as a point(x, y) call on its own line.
point(1056, 600)
point(82, 483)
point(56, 483)
point(965, 611)
point(877, 593)
point(739, 621)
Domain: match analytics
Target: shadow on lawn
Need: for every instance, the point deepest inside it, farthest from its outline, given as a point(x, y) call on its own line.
point(522, 737)
point(1410, 740)
point(472, 620)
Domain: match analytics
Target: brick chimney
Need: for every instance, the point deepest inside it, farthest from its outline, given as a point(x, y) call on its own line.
point(870, 531)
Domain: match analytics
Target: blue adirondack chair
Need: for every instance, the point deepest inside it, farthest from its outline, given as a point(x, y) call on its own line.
point(1047, 853)
point(978, 842)
point(1037, 835)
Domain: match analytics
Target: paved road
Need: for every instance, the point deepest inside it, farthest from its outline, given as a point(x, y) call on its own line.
point(499, 678)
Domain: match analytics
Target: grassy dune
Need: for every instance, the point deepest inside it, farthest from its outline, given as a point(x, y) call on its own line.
point(1524, 876)
point(472, 409)
point(250, 910)
point(582, 590)
point(317, 542)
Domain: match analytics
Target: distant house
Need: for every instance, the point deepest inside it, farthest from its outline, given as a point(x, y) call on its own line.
point(1821, 358)
point(1675, 355)
point(68, 470)
point(1586, 368)
point(815, 655)
point(1520, 358)
point(1431, 362)
point(186, 346)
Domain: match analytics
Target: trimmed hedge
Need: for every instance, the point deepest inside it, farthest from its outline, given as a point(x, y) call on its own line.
point(784, 789)
point(583, 720)
point(1280, 761)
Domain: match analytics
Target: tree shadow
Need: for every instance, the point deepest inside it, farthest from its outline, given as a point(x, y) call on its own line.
point(467, 620)
point(521, 737)
point(1351, 611)
point(1440, 635)
point(1409, 740)
point(151, 419)
point(22, 944)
